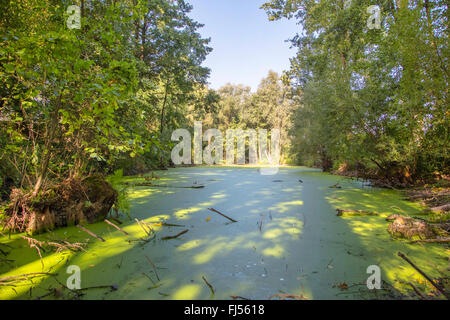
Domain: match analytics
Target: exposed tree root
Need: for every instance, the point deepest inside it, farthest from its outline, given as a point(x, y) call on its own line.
point(72, 201)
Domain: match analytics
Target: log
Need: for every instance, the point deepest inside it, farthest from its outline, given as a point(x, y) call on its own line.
point(90, 232)
point(216, 211)
point(149, 184)
point(445, 207)
point(441, 240)
point(175, 236)
point(438, 287)
point(355, 212)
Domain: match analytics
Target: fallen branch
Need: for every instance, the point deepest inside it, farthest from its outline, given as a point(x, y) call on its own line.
point(442, 240)
point(23, 277)
point(289, 296)
point(149, 278)
point(33, 243)
point(238, 297)
point(61, 246)
point(417, 291)
point(172, 225)
point(261, 223)
point(209, 285)
point(141, 224)
point(216, 211)
point(445, 207)
point(355, 212)
point(153, 266)
point(116, 220)
point(438, 287)
point(175, 236)
point(149, 184)
point(113, 225)
point(90, 232)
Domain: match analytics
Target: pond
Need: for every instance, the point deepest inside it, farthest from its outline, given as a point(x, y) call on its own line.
point(287, 240)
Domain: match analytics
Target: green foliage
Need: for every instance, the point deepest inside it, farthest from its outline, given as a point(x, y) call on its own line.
point(92, 99)
point(373, 97)
point(122, 204)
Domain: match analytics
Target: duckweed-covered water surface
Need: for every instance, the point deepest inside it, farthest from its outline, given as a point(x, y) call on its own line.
point(287, 240)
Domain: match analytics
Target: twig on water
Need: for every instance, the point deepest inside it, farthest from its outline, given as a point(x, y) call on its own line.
point(417, 291)
point(23, 277)
point(175, 236)
point(438, 287)
point(141, 224)
point(216, 211)
point(209, 285)
point(153, 266)
point(90, 232)
point(238, 297)
point(113, 225)
point(149, 278)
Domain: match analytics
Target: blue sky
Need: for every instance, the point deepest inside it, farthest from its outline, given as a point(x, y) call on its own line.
point(246, 45)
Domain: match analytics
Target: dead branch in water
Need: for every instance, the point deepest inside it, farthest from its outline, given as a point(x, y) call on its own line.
point(238, 297)
point(172, 225)
point(153, 266)
point(60, 246)
point(261, 223)
point(438, 287)
point(33, 243)
point(175, 236)
point(209, 285)
point(417, 291)
point(289, 296)
point(216, 211)
point(141, 224)
point(355, 212)
point(23, 277)
point(443, 208)
point(335, 186)
point(149, 184)
point(432, 240)
point(90, 232)
point(113, 225)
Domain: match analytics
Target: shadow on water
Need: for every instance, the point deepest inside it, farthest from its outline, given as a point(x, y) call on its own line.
point(288, 239)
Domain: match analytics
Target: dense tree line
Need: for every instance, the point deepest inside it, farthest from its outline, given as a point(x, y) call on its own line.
point(98, 98)
point(108, 95)
point(373, 100)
